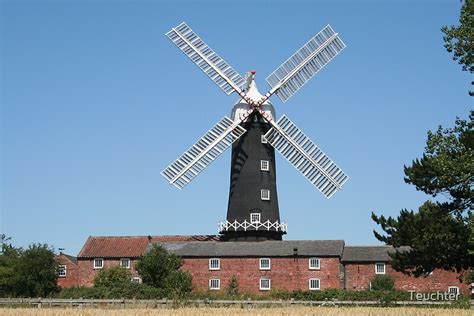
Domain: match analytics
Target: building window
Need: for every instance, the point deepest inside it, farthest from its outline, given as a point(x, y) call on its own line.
point(98, 263)
point(214, 284)
point(125, 263)
point(314, 264)
point(214, 264)
point(254, 218)
point(265, 194)
point(264, 165)
point(453, 290)
point(136, 280)
point(263, 139)
point(380, 268)
point(264, 263)
point(265, 284)
point(314, 284)
point(62, 271)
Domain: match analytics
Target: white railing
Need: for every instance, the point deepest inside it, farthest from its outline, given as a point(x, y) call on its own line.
point(245, 225)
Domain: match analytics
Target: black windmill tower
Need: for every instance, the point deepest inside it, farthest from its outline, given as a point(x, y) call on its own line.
point(254, 134)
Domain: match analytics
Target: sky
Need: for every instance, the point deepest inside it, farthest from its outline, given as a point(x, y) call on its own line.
point(96, 102)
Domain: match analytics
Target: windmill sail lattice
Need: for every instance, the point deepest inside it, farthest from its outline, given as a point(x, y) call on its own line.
point(205, 58)
point(305, 63)
point(306, 156)
point(203, 152)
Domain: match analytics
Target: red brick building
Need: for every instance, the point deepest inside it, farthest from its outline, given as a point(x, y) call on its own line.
point(107, 251)
point(68, 273)
point(362, 263)
point(259, 266)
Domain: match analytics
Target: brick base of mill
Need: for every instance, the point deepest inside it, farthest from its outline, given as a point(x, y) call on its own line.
point(258, 266)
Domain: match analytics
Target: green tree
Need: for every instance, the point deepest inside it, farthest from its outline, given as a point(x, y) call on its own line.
point(459, 40)
point(382, 283)
point(9, 257)
point(35, 272)
point(233, 286)
point(113, 277)
point(160, 269)
point(440, 233)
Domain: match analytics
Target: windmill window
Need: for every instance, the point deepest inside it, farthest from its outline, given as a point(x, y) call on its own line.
point(98, 263)
point(214, 264)
point(380, 268)
point(264, 263)
point(62, 271)
point(264, 165)
point(265, 194)
point(314, 284)
point(254, 218)
point(314, 263)
point(214, 284)
point(125, 263)
point(263, 139)
point(265, 284)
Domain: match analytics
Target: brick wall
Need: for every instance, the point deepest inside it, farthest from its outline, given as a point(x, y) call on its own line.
point(87, 272)
point(71, 278)
point(359, 275)
point(285, 273)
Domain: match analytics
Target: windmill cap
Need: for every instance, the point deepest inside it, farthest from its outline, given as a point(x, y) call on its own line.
point(253, 71)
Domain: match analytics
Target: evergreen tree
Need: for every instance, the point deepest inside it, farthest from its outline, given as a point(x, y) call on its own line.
point(459, 40)
point(440, 234)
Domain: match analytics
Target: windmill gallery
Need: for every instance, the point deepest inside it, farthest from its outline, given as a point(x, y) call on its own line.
point(249, 243)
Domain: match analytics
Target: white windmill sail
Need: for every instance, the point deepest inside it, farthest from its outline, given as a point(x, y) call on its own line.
point(305, 63)
point(306, 156)
point(203, 152)
point(205, 58)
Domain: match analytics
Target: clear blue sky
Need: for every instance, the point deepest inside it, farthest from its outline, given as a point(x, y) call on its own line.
point(96, 102)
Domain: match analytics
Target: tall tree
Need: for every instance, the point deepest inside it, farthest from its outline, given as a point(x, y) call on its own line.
point(160, 269)
point(36, 272)
point(440, 233)
point(459, 40)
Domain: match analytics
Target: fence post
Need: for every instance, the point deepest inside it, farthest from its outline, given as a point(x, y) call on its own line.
point(40, 305)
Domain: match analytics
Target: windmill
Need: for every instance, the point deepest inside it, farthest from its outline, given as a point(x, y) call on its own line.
point(254, 134)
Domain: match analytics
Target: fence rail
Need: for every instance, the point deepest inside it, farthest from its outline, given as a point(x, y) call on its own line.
point(130, 303)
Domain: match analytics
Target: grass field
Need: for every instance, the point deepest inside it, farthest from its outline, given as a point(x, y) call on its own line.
point(300, 311)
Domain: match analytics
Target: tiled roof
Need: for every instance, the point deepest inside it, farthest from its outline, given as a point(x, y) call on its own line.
point(129, 246)
point(369, 253)
point(69, 257)
point(275, 248)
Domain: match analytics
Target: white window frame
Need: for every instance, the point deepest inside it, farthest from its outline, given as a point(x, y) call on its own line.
point(269, 284)
point(211, 287)
point(263, 140)
point(264, 165)
point(452, 288)
point(211, 267)
point(96, 266)
point(314, 288)
point(136, 279)
point(262, 267)
point(123, 259)
point(254, 221)
point(62, 270)
point(379, 264)
point(263, 196)
point(317, 267)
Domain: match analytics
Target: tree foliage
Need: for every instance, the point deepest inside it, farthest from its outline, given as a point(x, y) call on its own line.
point(160, 269)
point(27, 273)
point(459, 40)
point(382, 283)
point(440, 234)
point(112, 277)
